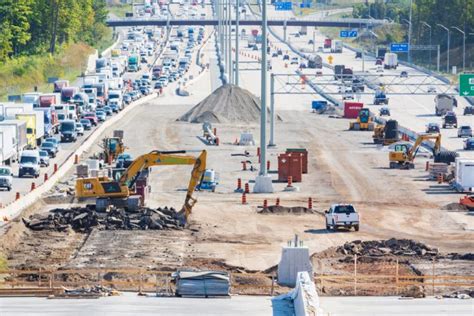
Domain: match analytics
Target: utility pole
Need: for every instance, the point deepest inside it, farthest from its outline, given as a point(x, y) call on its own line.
point(237, 34)
point(463, 47)
point(449, 44)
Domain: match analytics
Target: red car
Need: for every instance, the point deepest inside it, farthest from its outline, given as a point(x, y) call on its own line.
point(91, 117)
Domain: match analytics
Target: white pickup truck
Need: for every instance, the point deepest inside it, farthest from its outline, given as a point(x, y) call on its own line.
point(342, 215)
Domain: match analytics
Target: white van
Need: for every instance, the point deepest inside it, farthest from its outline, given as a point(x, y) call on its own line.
point(29, 163)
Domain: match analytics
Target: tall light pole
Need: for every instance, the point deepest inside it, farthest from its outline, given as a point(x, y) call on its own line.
point(229, 38)
point(236, 71)
point(449, 43)
point(431, 43)
point(263, 182)
point(463, 46)
point(409, 32)
point(409, 38)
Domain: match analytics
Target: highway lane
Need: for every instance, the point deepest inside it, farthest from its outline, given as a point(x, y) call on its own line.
point(412, 111)
point(24, 185)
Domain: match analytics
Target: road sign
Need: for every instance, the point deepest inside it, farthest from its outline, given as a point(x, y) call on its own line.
point(348, 33)
point(52, 79)
point(14, 98)
point(305, 5)
point(330, 58)
point(399, 47)
point(466, 85)
point(283, 6)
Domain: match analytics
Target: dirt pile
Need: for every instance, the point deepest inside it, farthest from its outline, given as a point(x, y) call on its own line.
point(228, 104)
point(278, 209)
point(83, 219)
point(397, 247)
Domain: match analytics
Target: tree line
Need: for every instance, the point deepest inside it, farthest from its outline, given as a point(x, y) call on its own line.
point(39, 26)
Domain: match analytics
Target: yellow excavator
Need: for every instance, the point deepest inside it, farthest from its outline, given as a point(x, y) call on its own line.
point(119, 192)
point(404, 155)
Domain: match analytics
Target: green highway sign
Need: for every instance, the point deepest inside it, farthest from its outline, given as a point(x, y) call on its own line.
point(466, 85)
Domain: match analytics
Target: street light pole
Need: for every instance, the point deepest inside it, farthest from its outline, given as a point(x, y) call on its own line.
point(428, 26)
point(463, 47)
point(449, 43)
point(263, 93)
point(229, 52)
point(409, 32)
point(237, 13)
point(409, 37)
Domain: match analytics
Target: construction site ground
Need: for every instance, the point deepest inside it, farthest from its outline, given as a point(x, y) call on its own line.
point(344, 166)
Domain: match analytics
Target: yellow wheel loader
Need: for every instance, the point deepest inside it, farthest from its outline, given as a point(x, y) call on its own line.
point(364, 121)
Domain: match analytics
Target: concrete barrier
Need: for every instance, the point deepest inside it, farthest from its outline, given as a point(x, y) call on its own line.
point(16, 208)
point(303, 300)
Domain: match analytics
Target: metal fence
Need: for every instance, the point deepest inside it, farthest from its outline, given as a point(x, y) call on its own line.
point(362, 276)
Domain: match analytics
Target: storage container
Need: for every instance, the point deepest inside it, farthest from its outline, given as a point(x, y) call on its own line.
point(302, 151)
point(351, 109)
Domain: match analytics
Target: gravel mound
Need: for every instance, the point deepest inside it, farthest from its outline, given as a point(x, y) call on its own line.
point(278, 209)
point(83, 219)
point(228, 104)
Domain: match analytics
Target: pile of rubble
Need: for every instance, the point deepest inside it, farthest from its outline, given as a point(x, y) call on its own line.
point(83, 219)
point(278, 209)
point(397, 247)
point(94, 291)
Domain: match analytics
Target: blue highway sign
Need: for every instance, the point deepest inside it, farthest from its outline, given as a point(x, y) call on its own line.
point(348, 33)
point(283, 6)
point(399, 47)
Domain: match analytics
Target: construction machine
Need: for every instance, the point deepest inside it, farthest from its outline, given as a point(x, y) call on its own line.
point(120, 192)
point(364, 121)
point(113, 146)
point(386, 134)
point(404, 154)
point(468, 202)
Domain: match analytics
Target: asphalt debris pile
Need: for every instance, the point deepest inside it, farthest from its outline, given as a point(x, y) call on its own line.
point(83, 219)
point(397, 247)
point(94, 291)
point(227, 104)
point(278, 209)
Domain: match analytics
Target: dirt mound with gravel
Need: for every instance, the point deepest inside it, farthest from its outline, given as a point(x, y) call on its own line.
point(228, 104)
point(278, 209)
point(389, 247)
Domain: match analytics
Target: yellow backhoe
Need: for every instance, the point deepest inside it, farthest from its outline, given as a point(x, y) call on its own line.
point(120, 192)
point(404, 155)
